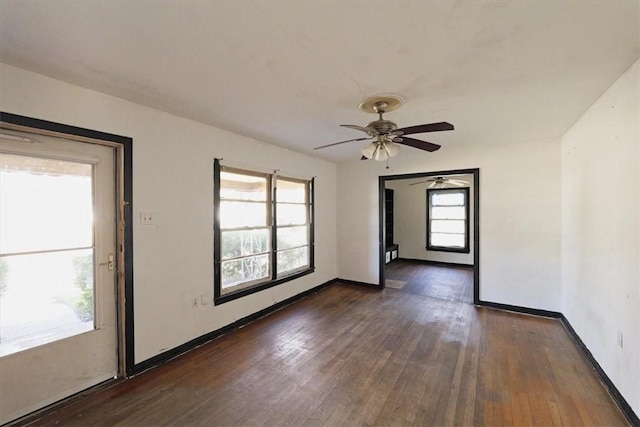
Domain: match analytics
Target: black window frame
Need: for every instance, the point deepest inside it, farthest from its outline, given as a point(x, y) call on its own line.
point(466, 249)
point(273, 280)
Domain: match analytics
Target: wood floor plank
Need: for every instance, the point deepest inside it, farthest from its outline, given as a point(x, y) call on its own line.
point(350, 355)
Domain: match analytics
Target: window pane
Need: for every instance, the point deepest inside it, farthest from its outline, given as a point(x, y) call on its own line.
point(242, 270)
point(290, 237)
point(44, 204)
point(292, 259)
point(242, 187)
point(455, 212)
point(448, 226)
point(243, 243)
point(447, 240)
point(242, 214)
point(291, 214)
point(447, 199)
point(44, 298)
point(289, 191)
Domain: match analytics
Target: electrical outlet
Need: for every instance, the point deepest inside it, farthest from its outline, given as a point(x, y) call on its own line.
point(147, 218)
point(204, 299)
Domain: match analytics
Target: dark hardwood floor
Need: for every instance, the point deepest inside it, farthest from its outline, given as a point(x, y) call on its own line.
point(452, 283)
point(351, 355)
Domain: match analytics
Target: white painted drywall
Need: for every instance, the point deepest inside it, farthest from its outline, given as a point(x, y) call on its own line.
point(173, 177)
point(601, 232)
point(410, 220)
point(519, 217)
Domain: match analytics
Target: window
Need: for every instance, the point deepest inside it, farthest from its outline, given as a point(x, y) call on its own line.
point(448, 220)
point(244, 229)
point(293, 226)
point(263, 231)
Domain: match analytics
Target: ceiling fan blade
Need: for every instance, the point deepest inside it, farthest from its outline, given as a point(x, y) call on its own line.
point(433, 184)
point(457, 182)
point(341, 142)
point(431, 127)
point(420, 182)
point(416, 143)
point(361, 128)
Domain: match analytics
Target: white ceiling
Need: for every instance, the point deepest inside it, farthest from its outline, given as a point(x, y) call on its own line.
point(288, 72)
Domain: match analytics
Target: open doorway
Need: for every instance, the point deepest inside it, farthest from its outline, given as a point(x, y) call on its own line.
point(429, 234)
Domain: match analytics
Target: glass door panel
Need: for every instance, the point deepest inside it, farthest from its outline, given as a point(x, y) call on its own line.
point(46, 251)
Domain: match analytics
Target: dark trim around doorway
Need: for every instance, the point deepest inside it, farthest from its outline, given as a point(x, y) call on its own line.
point(382, 180)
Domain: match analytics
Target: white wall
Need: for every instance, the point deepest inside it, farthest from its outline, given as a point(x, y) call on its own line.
point(519, 217)
point(410, 220)
point(173, 176)
point(601, 232)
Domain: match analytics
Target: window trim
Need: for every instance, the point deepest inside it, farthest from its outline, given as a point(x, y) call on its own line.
point(466, 249)
point(274, 280)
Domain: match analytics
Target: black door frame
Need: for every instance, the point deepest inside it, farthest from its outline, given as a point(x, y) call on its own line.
point(382, 180)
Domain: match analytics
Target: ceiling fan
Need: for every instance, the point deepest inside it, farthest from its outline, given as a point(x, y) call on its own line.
point(385, 134)
point(438, 181)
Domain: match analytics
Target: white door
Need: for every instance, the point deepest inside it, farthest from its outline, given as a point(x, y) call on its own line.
point(57, 270)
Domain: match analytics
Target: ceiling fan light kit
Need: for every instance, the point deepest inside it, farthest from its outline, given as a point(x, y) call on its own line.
point(385, 134)
point(380, 150)
point(370, 150)
point(392, 148)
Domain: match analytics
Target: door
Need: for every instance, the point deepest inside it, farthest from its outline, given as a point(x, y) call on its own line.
point(58, 300)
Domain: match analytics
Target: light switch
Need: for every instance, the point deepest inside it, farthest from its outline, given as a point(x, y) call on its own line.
point(204, 299)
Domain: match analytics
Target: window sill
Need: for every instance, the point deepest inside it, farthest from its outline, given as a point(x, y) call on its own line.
point(445, 249)
point(221, 299)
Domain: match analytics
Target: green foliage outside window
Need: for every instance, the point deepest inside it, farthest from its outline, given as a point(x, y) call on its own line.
point(83, 307)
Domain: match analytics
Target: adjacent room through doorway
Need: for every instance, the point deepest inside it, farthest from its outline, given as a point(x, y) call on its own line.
point(429, 229)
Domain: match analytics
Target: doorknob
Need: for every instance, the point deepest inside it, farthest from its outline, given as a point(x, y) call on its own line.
point(111, 262)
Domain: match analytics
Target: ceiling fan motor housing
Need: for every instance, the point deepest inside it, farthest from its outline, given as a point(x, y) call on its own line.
point(382, 126)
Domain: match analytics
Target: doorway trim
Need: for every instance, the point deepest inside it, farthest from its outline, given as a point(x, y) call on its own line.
point(124, 240)
point(382, 180)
